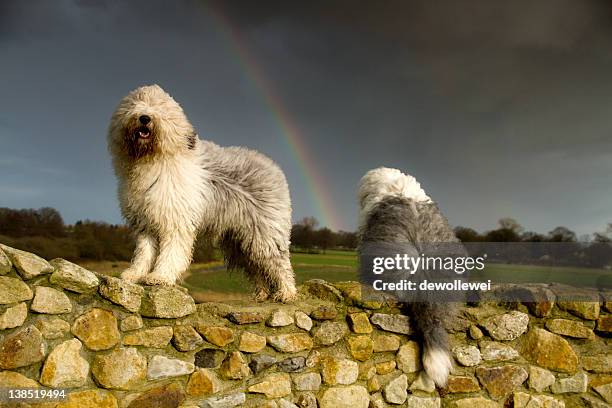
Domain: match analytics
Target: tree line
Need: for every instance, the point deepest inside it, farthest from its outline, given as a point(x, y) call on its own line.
point(44, 232)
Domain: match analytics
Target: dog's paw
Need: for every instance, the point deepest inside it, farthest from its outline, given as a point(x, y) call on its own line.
point(154, 279)
point(131, 275)
point(261, 295)
point(285, 296)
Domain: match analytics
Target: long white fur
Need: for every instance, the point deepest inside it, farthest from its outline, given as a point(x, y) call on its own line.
point(184, 185)
point(383, 182)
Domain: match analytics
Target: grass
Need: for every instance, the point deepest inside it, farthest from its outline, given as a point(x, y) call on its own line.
point(210, 281)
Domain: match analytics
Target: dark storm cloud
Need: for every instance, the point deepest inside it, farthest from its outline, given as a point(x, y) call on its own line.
point(499, 108)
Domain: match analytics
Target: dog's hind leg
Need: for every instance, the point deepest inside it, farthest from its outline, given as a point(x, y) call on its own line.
point(277, 271)
point(428, 318)
point(144, 256)
point(175, 251)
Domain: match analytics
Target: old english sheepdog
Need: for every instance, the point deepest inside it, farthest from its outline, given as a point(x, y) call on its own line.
point(398, 217)
point(172, 186)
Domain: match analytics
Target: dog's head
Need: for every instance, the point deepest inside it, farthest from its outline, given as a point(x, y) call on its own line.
point(148, 121)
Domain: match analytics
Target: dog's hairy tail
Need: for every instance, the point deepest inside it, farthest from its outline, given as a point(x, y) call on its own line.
point(429, 324)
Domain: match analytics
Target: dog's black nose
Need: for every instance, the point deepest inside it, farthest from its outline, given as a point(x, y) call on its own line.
point(144, 119)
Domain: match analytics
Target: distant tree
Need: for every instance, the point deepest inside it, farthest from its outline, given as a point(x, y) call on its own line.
point(530, 236)
point(510, 224)
point(465, 234)
point(324, 239)
point(605, 236)
point(562, 234)
point(346, 239)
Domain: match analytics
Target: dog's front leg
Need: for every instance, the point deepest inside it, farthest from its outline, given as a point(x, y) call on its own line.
point(142, 261)
point(175, 250)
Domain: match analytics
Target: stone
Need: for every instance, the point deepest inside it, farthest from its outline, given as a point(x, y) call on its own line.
point(273, 386)
point(374, 384)
point(260, 362)
point(251, 342)
point(313, 359)
point(73, 277)
point(13, 316)
point(50, 301)
point(234, 367)
point(97, 328)
point(322, 290)
point(163, 396)
point(5, 263)
point(283, 403)
point(245, 317)
point(203, 382)
point(575, 383)
point(290, 343)
point(64, 367)
point(494, 351)
point(22, 348)
point(12, 379)
point(121, 369)
point(164, 367)
point(385, 367)
point(569, 328)
point(360, 323)
point(307, 400)
point(395, 391)
point(354, 396)
point(601, 363)
point(395, 323)
point(475, 332)
point(217, 335)
point(423, 383)
point(324, 313)
point(339, 371)
point(501, 381)
point(604, 324)
point(360, 347)
point(583, 309)
point(279, 318)
point(209, 358)
point(605, 391)
point(52, 327)
point(155, 337)
point(329, 333)
point(307, 382)
point(94, 398)
point(591, 402)
point(133, 322)
point(461, 384)
point(121, 292)
point(13, 290)
point(224, 401)
point(539, 300)
point(409, 357)
point(185, 338)
point(540, 379)
point(303, 321)
point(291, 364)
point(166, 302)
point(385, 342)
point(549, 350)
point(476, 402)
point(507, 326)
point(467, 356)
point(422, 402)
point(27, 265)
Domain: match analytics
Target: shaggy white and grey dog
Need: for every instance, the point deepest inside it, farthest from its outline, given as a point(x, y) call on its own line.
point(172, 186)
point(398, 217)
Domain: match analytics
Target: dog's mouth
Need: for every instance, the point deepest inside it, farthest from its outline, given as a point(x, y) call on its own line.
point(142, 132)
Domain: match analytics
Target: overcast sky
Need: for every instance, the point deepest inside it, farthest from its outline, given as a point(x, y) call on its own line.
point(499, 108)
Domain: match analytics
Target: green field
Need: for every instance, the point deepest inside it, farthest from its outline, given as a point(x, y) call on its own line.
point(212, 282)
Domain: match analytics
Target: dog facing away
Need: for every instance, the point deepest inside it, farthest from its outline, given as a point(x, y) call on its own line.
point(172, 186)
point(396, 214)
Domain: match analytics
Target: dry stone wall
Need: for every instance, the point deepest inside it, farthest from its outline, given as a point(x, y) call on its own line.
point(115, 344)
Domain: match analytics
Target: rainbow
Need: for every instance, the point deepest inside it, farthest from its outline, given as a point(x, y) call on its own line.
point(315, 182)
